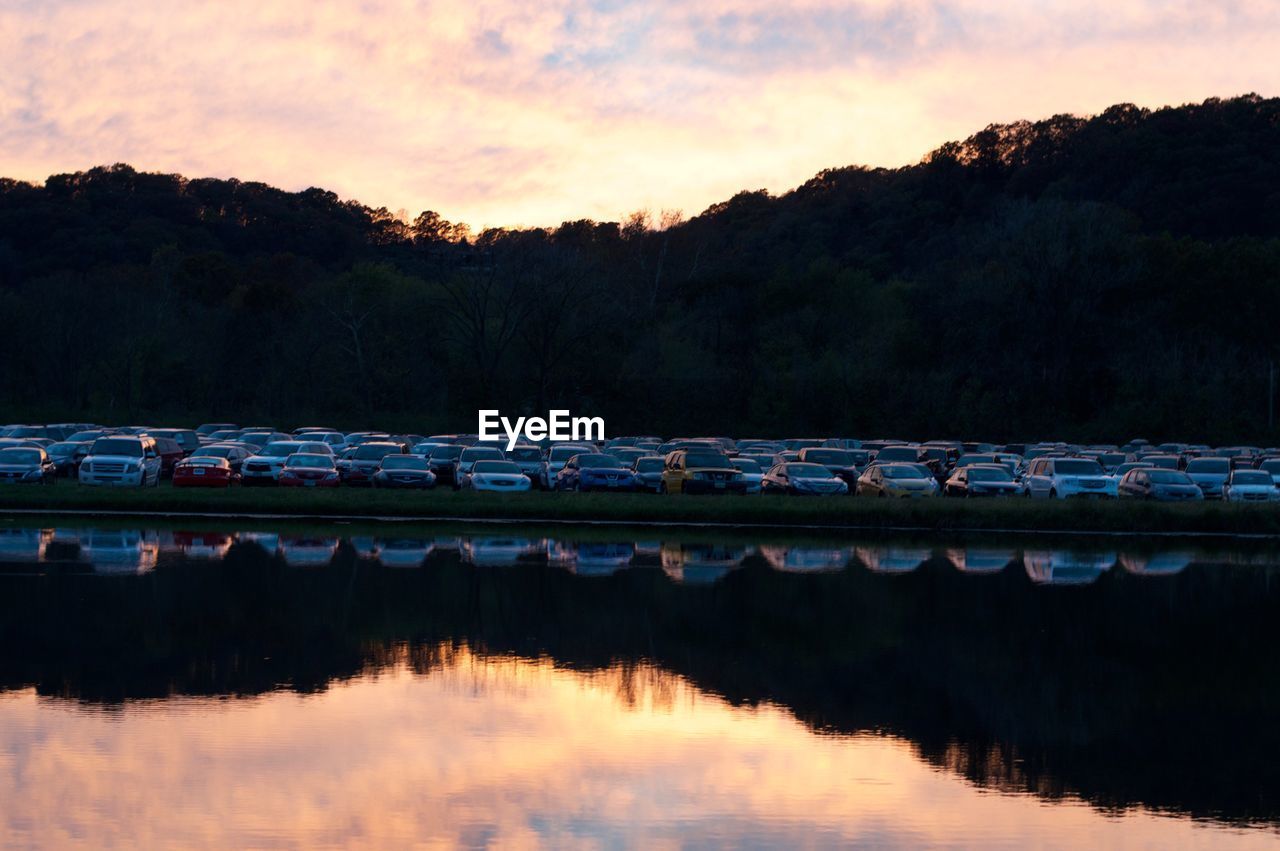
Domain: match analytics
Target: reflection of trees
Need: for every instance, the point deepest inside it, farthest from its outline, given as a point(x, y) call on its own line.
point(1130, 689)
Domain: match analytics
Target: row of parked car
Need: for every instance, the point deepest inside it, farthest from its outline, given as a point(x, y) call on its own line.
point(221, 454)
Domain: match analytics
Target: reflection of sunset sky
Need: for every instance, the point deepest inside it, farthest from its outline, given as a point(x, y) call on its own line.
point(506, 113)
point(506, 750)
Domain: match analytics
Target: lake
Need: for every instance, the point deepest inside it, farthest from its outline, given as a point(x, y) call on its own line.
point(386, 686)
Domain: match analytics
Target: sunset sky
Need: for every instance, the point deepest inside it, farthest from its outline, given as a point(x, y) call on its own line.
point(519, 113)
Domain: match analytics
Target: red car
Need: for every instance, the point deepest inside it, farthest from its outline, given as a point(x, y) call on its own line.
point(203, 472)
point(170, 452)
point(306, 469)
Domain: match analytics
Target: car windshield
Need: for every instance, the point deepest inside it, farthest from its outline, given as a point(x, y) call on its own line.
point(808, 471)
point(62, 448)
point(19, 456)
point(898, 453)
point(649, 465)
point(117, 446)
point(598, 462)
point(746, 465)
point(712, 460)
point(901, 471)
point(985, 474)
point(560, 454)
point(1272, 467)
point(1172, 477)
point(204, 461)
point(525, 453)
point(449, 452)
point(482, 453)
point(1209, 465)
point(375, 451)
point(1077, 467)
point(496, 467)
point(280, 449)
point(833, 457)
point(308, 460)
point(1250, 477)
point(404, 462)
point(85, 435)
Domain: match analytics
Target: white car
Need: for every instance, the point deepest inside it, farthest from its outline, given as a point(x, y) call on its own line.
point(121, 460)
point(1250, 486)
point(1060, 478)
point(497, 477)
point(264, 467)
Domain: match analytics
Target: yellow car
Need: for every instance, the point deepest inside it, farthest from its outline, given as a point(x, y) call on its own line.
point(701, 471)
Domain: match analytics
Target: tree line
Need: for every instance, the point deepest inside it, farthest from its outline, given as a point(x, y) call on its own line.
point(1084, 278)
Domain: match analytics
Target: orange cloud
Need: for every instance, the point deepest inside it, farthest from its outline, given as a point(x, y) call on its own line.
point(507, 113)
point(512, 752)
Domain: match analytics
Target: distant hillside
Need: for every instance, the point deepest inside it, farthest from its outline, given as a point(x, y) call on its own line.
point(1086, 278)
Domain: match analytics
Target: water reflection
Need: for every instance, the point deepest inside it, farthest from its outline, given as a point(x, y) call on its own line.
point(637, 689)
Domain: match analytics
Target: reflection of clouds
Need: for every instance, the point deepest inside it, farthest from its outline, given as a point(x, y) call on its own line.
point(499, 112)
point(516, 751)
point(1066, 567)
point(700, 563)
point(498, 552)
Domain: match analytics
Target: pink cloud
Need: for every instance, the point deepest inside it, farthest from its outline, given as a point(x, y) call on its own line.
point(513, 113)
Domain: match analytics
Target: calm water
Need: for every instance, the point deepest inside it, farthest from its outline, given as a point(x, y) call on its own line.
point(516, 687)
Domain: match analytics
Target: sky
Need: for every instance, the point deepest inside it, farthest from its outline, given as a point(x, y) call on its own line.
point(508, 113)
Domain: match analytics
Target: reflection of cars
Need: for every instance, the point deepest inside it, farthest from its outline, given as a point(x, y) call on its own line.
point(496, 477)
point(308, 552)
point(893, 559)
point(121, 460)
point(698, 470)
point(591, 471)
point(23, 465)
point(700, 564)
point(211, 545)
point(979, 480)
point(1064, 567)
point(119, 552)
point(976, 560)
point(591, 559)
point(1241, 486)
point(1160, 484)
point(897, 480)
point(806, 559)
point(403, 552)
point(203, 472)
point(1156, 564)
point(23, 544)
point(404, 471)
point(309, 470)
point(497, 552)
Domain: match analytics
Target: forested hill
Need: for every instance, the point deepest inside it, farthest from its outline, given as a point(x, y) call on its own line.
point(1108, 277)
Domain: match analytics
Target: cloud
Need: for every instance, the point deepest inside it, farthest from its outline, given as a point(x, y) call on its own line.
point(501, 112)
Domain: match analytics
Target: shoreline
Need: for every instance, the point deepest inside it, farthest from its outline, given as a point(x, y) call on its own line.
point(827, 516)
